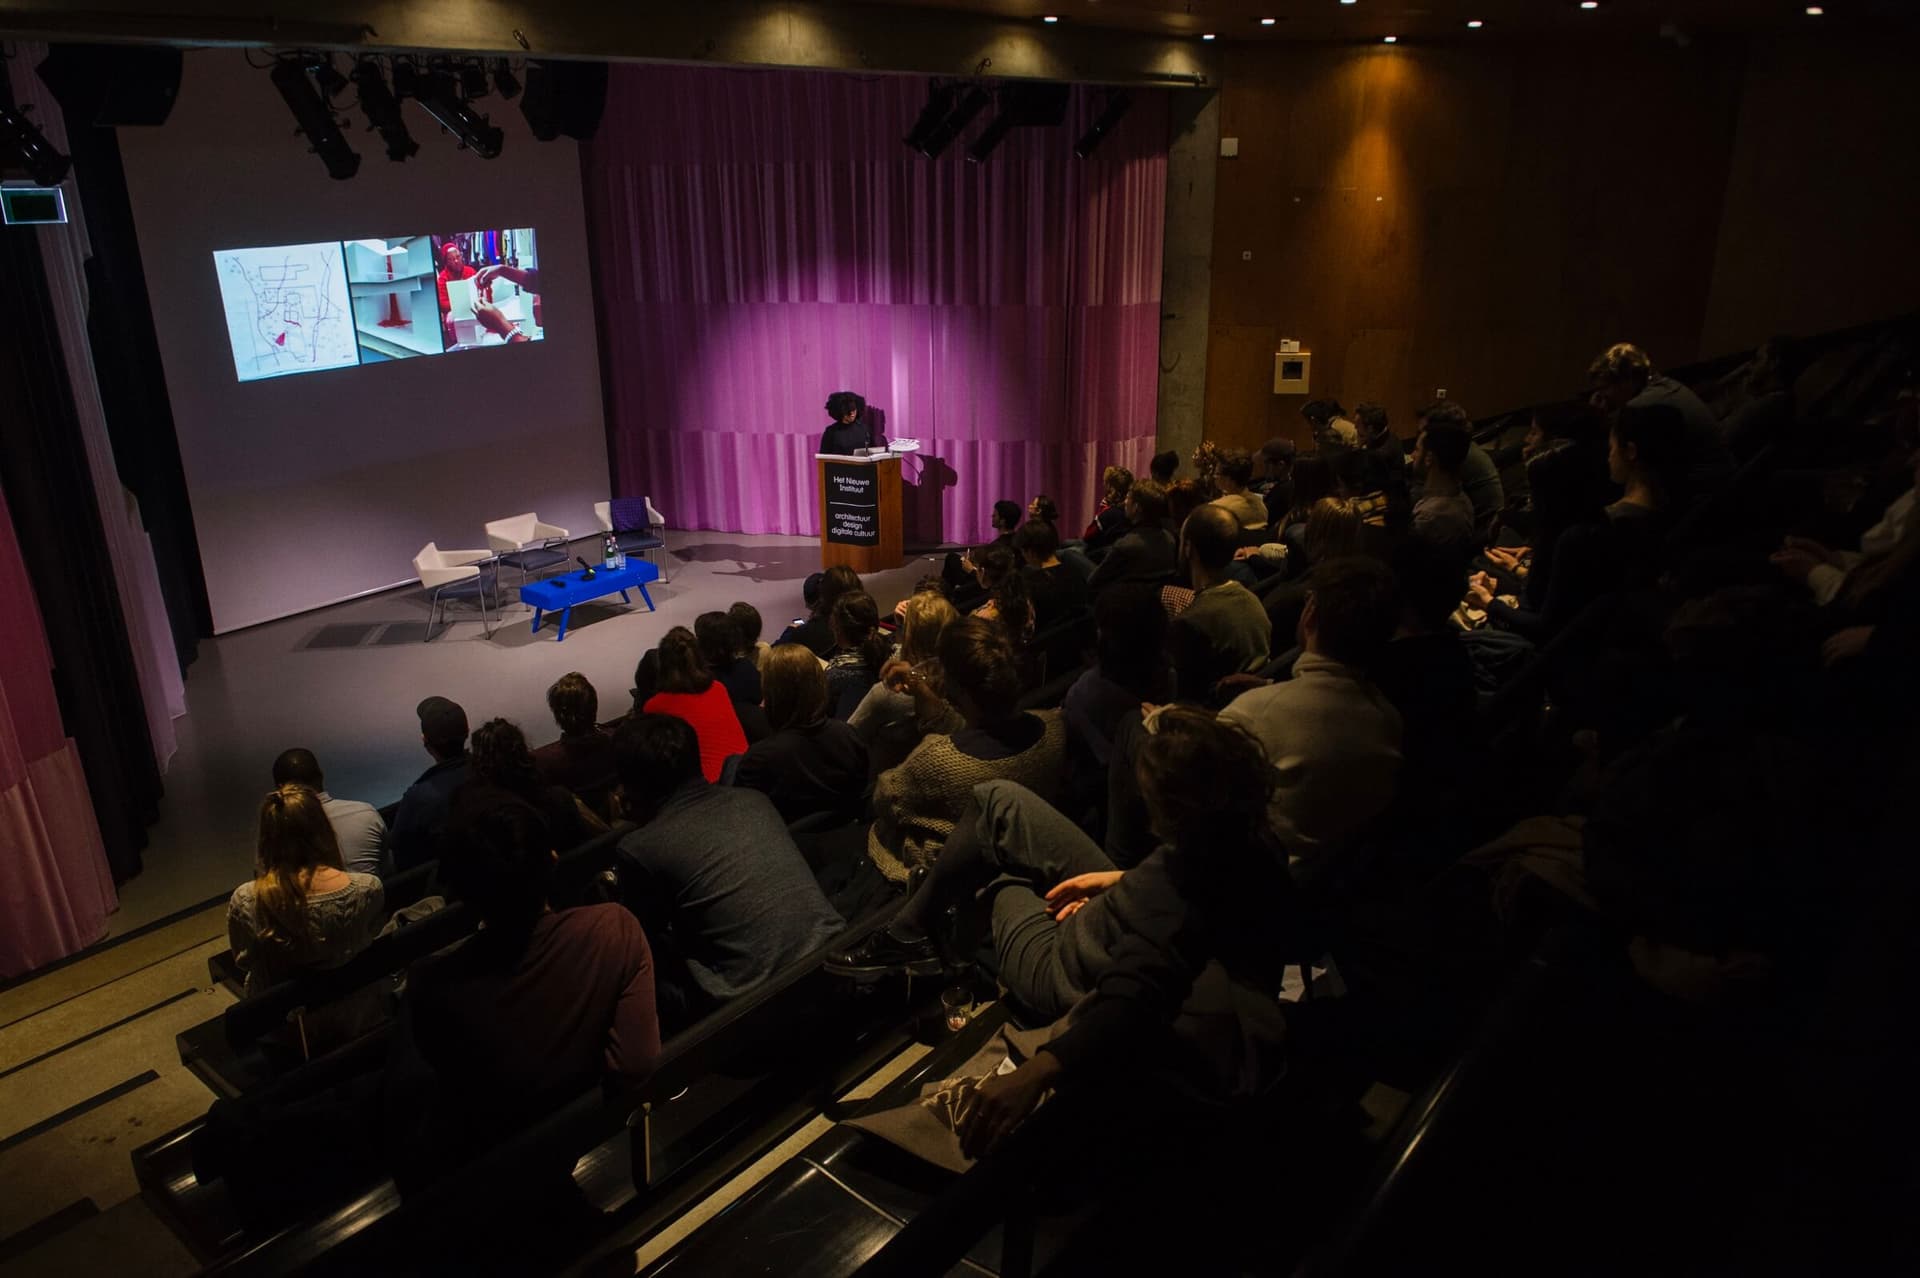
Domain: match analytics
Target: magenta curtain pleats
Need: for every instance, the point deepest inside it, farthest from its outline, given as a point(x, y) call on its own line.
point(763, 238)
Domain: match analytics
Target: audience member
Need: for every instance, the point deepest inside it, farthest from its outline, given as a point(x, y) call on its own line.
point(889, 720)
point(1056, 589)
point(813, 765)
point(1479, 477)
point(1333, 530)
point(1007, 600)
point(689, 691)
point(1130, 669)
point(1275, 480)
point(300, 912)
point(1045, 509)
point(535, 1007)
point(1828, 573)
point(725, 896)
point(1382, 447)
point(420, 822)
point(1183, 498)
point(960, 569)
point(1328, 426)
point(1163, 466)
point(646, 680)
point(720, 648)
point(1123, 950)
point(914, 805)
point(1443, 514)
point(582, 759)
point(1224, 630)
point(357, 826)
point(1147, 551)
point(860, 649)
point(1110, 517)
point(1235, 478)
point(1332, 736)
point(1565, 454)
point(815, 630)
point(1623, 375)
point(502, 765)
point(747, 627)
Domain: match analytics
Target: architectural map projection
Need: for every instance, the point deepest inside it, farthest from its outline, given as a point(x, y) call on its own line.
point(288, 309)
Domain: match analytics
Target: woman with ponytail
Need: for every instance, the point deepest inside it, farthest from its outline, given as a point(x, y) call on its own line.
point(860, 648)
point(301, 911)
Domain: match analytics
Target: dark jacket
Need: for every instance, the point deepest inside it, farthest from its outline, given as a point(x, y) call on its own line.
point(421, 820)
point(1144, 554)
point(810, 771)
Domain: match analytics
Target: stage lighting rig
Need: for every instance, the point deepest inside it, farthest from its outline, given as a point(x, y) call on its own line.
point(1118, 104)
point(437, 93)
point(1021, 106)
point(22, 145)
point(941, 136)
point(383, 110)
point(315, 118)
point(473, 80)
point(325, 74)
point(939, 101)
point(406, 78)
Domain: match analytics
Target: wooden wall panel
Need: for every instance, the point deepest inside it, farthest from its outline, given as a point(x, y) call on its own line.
point(1480, 219)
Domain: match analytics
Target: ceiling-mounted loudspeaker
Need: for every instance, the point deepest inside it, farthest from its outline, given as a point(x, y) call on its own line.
point(109, 85)
point(564, 98)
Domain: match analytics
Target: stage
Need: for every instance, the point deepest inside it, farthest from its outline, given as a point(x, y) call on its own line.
point(343, 681)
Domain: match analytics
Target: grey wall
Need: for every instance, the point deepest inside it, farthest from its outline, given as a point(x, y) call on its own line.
point(1187, 267)
point(313, 488)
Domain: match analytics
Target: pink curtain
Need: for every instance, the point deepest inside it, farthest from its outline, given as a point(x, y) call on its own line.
point(763, 238)
point(55, 891)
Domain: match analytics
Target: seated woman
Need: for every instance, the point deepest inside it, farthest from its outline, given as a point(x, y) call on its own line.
point(503, 765)
point(1008, 600)
point(860, 648)
point(1646, 456)
point(1334, 530)
point(812, 765)
point(719, 639)
point(688, 691)
point(1234, 478)
point(888, 718)
point(914, 805)
point(1056, 588)
point(301, 912)
point(815, 630)
point(1110, 521)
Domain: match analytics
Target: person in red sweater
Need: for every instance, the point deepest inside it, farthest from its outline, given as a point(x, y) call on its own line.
point(689, 691)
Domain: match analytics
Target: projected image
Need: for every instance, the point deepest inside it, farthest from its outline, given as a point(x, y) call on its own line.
point(287, 309)
point(396, 309)
point(489, 288)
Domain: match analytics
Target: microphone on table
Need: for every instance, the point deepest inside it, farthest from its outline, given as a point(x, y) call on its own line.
point(588, 574)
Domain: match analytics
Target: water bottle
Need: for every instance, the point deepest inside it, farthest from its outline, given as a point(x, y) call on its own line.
point(612, 549)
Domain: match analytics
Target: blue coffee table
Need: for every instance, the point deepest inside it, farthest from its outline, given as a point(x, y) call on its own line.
point(560, 594)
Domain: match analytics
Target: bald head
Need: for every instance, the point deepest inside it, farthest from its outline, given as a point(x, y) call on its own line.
point(1211, 535)
point(298, 767)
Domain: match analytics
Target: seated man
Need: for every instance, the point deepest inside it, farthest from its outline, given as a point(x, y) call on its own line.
point(1622, 376)
point(1333, 738)
point(357, 826)
point(421, 821)
point(1234, 478)
point(1479, 477)
point(1225, 629)
point(1443, 515)
point(536, 1006)
point(1128, 948)
point(582, 759)
point(1146, 552)
point(725, 894)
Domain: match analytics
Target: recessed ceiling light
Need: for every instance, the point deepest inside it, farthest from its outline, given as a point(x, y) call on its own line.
point(1589, 4)
point(1347, 1)
point(1267, 22)
point(1207, 36)
point(1389, 39)
point(1814, 11)
point(1050, 18)
point(1475, 23)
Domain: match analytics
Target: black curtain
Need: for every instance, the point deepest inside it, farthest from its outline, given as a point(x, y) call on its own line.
point(49, 488)
point(133, 388)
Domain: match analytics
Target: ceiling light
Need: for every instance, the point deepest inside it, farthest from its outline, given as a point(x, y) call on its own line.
point(1207, 36)
point(1267, 22)
point(439, 95)
point(1589, 4)
point(1475, 23)
point(955, 118)
point(1346, 1)
point(1814, 11)
point(1389, 39)
point(1117, 106)
point(1050, 18)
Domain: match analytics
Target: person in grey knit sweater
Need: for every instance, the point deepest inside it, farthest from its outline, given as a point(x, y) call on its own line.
point(914, 805)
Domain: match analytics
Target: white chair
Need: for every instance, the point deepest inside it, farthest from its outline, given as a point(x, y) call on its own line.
point(527, 544)
point(454, 574)
point(650, 541)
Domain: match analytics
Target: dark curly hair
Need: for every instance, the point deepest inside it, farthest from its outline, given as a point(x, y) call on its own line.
point(500, 758)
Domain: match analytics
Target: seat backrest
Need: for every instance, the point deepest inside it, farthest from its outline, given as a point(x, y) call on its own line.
point(429, 557)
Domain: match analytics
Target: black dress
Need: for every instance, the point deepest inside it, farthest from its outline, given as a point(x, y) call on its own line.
point(844, 437)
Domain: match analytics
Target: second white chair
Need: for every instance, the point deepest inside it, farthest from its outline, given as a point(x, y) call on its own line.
point(526, 543)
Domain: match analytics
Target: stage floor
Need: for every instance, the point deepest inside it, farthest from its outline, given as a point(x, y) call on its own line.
point(343, 682)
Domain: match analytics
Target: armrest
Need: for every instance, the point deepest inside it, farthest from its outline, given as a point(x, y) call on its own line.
point(441, 576)
point(498, 544)
point(461, 558)
point(549, 530)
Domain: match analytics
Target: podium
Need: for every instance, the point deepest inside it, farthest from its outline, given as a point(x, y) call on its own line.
point(860, 511)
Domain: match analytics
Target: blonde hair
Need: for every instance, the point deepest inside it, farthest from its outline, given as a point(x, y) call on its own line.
point(1621, 362)
point(295, 840)
point(1333, 529)
point(925, 618)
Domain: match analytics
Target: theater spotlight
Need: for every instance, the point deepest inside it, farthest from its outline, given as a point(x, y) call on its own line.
point(383, 109)
point(1117, 106)
point(960, 117)
point(473, 80)
point(23, 146)
point(326, 75)
point(437, 95)
point(990, 137)
point(939, 102)
point(315, 119)
point(505, 81)
point(1022, 105)
point(406, 79)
